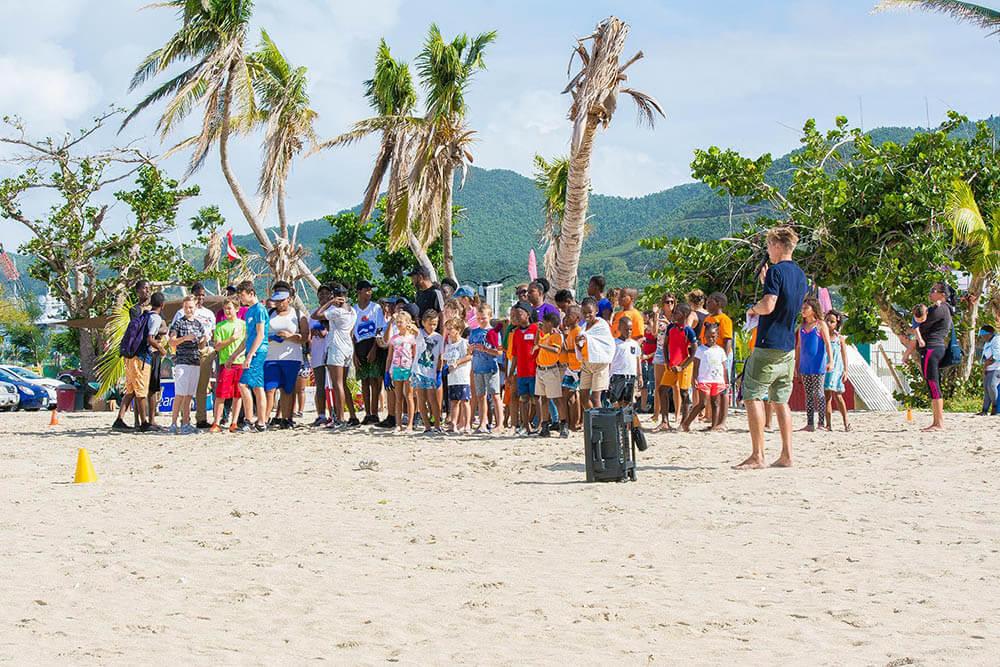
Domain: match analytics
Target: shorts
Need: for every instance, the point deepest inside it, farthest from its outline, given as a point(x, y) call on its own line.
point(253, 374)
point(154, 373)
point(548, 382)
point(681, 380)
point(423, 382)
point(459, 392)
point(137, 376)
point(595, 377)
point(339, 357)
point(525, 387)
point(400, 374)
point(711, 388)
point(487, 383)
point(281, 375)
point(621, 389)
point(769, 375)
point(571, 380)
point(227, 383)
point(368, 370)
point(186, 379)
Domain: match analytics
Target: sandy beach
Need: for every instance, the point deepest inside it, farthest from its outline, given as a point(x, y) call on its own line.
point(880, 547)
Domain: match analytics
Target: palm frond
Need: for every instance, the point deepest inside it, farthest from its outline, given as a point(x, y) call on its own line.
point(110, 366)
point(984, 17)
point(646, 105)
point(390, 91)
point(962, 213)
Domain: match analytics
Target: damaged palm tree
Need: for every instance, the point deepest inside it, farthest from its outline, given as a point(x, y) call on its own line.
point(595, 89)
point(550, 179)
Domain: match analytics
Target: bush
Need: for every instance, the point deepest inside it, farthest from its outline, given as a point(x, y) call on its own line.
point(958, 396)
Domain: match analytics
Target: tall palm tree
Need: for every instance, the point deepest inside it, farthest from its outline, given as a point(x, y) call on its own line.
point(446, 70)
point(984, 17)
point(212, 36)
point(595, 89)
point(551, 180)
point(980, 237)
point(392, 94)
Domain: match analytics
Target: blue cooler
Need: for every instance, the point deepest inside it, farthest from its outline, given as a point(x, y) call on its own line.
point(166, 404)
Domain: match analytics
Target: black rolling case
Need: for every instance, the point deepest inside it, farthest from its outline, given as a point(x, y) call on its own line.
point(608, 445)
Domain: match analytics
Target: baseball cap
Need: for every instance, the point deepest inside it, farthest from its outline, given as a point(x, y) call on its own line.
point(279, 296)
point(363, 284)
point(464, 290)
point(339, 290)
point(419, 271)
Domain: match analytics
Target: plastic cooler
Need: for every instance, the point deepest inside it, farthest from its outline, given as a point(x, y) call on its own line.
point(166, 404)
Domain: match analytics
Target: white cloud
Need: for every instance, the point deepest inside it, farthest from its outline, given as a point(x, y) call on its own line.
point(47, 95)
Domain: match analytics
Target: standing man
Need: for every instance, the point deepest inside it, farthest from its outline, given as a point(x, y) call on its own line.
point(137, 369)
point(142, 296)
point(770, 370)
point(207, 354)
point(429, 296)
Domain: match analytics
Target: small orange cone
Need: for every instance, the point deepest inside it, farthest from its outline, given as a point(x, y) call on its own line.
point(84, 470)
point(909, 414)
point(54, 420)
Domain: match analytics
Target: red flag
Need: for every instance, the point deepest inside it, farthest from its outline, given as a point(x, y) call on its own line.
point(231, 252)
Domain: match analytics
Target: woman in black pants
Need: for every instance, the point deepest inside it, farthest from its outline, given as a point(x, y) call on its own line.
point(936, 332)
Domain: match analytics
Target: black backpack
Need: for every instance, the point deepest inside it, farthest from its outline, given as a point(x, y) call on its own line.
point(134, 340)
point(952, 353)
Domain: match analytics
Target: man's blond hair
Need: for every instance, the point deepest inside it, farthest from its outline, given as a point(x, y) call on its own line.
point(784, 236)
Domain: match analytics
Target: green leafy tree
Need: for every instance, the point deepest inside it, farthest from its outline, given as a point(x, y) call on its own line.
point(85, 264)
point(343, 252)
point(871, 218)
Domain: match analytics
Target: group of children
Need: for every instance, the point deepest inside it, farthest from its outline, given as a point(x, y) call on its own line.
point(455, 367)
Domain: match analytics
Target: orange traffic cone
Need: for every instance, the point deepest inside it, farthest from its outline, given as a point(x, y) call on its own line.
point(909, 414)
point(84, 470)
point(54, 420)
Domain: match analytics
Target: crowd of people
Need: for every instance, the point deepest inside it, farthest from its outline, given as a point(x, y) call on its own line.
point(445, 362)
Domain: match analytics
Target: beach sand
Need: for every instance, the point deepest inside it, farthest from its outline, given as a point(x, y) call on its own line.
point(880, 547)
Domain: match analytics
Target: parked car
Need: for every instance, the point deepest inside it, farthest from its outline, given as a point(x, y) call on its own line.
point(48, 384)
point(30, 395)
point(8, 397)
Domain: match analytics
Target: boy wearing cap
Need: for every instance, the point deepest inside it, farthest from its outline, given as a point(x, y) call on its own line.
point(339, 349)
point(252, 378)
point(289, 331)
point(523, 365)
point(369, 324)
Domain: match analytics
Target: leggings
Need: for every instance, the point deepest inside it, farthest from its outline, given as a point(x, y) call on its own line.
point(813, 384)
point(932, 370)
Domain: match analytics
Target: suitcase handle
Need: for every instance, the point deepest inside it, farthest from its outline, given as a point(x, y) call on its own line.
point(597, 445)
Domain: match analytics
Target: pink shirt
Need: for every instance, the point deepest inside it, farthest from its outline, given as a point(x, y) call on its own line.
point(402, 350)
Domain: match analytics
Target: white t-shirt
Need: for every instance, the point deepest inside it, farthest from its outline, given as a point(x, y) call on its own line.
point(370, 321)
point(992, 349)
point(627, 354)
point(317, 343)
point(203, 315)
point(458, 375)
point(279, 349)
point(341, 327)
point(429, 349)
point(711, 364)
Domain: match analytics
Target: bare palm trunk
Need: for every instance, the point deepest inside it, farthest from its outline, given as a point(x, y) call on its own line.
point(446, 231)
point(566, 263)
point(422, 257)
point(88, 353)
point(382, 162)
point(282, 220)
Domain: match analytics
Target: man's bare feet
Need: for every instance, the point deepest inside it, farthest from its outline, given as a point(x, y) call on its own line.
point(932, 427)
point(807, 429)
point(782, 462)
point(752, 463)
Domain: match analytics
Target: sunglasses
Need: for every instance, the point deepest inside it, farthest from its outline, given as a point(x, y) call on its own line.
point(670, 301)
point(521, 291)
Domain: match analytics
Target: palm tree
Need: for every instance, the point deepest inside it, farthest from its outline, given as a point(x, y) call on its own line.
point(981, 239)
point(984, 17)
point(392, 94)
point(551, 180)
point(446, 70)
point(212, 36)
point(595, 90)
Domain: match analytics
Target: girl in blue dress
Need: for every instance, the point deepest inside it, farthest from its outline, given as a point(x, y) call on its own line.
point(836, 378)
point(812, 360)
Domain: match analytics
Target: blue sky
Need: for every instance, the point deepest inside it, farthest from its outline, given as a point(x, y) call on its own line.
point(735, 74)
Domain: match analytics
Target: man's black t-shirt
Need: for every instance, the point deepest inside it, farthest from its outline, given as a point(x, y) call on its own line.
point(430, 298)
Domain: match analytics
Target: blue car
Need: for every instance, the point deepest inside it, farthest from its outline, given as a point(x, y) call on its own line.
point(30, 396)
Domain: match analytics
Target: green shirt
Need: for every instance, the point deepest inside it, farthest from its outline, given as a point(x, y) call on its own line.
point(225, 330)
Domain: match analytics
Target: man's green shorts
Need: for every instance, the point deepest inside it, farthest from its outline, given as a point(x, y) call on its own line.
point(768, 375)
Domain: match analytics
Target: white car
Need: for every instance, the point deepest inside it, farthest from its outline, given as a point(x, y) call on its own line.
point(8, 396)
point(48, 384)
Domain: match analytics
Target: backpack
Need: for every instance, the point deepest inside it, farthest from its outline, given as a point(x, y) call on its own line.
point(952, 353)
point(134, 340)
